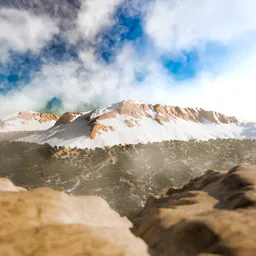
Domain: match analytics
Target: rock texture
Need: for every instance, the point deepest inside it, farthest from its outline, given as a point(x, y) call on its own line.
point(133, 122)
point(211, 215)
point(67, 117)
point(97, 128)
point(164, 113)
point(7, 185)
point(29, 116)
point(26, 121)
point(46, 117)
point(135, 110)
point(159, 113)
point(45, 222)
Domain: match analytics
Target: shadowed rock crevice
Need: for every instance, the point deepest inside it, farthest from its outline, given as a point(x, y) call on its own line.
point(194, 237)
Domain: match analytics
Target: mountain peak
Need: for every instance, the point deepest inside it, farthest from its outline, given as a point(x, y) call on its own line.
point(27, 121)
point(127, 122)
point(160, 113)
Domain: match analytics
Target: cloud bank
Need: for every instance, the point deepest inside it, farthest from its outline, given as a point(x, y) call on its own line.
point(221, 33)
point(22, 31)
point(175, 25)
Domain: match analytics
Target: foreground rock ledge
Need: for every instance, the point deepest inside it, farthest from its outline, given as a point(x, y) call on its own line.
point(212, 215)
point(46, 222)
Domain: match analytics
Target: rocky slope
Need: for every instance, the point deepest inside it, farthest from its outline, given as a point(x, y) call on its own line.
point(27, 121)
point(46, 222)
point(123, 175)
point(212, 215)
point(132, 122)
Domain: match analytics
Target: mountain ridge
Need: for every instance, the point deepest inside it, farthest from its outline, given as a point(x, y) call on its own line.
point(132, 122)
point(27, 121)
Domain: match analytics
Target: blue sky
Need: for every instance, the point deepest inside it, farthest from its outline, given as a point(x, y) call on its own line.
point(165, 51)
point(20, 68)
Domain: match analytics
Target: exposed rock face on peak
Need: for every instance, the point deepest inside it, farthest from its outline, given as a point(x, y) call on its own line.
point(162, 114)
point(97, 128)
point(134, 109)
point(167, 114)
point(46, 117)
point(212, 215)
point(45, 222)
point(132, 122)
point(27, 121)
point(67, 117)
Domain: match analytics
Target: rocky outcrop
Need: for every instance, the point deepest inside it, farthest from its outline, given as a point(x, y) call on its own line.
point(134, 112)
point(67, 118)
point(212, 215)
point(98, 128)
point(45, 222)
point(159, 113)
point(30, 116)
point(216, 117)
point(46, 117)
point(130, 123)
point(108, 115)
point(134, 109)
point(164, 113)
point(27, 117)
point(7, 185)
point(167, 113)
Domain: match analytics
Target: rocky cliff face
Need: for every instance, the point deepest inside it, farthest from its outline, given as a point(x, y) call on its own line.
point(133, 111)
point(160, 113)
point(46, 222)
point(211, 215)
point(67, 118)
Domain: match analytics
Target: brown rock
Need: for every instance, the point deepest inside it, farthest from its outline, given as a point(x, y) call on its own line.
point(213, 214)
point(97, 128)
point(167, 114)
point(7, 185)
point(133, 109)
point(129, 123)
point(216, 117)
point(45, 117)
point(67, 117)
point(29, 116)
point(112, 129)
point(111, 114)
point(46, 222)
point(136, 110)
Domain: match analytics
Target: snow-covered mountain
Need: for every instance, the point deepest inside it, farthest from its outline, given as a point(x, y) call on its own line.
point(27, 121)
point(132, 122)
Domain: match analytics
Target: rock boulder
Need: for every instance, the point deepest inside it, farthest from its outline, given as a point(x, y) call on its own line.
point(212, 215)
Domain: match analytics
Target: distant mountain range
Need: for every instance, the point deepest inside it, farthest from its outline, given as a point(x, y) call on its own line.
point(126, 122)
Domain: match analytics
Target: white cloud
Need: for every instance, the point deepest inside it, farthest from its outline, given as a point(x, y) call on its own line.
point(22, 31)
point(96, 15)
point(95, 82)
point(174, 25)
point(98, 84)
